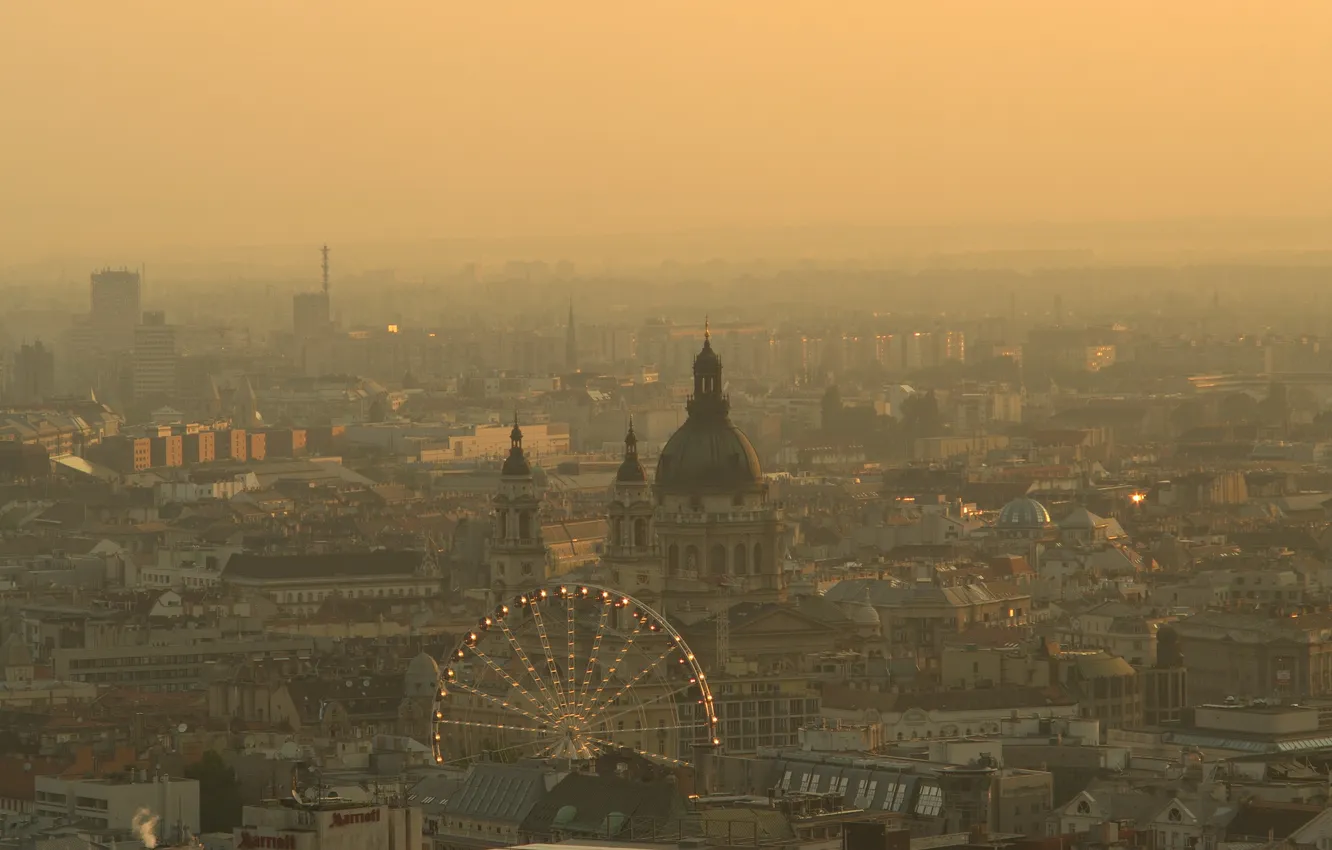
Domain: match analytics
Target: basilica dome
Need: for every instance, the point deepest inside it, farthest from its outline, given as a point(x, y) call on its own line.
point(708, 454)
point(708, 457)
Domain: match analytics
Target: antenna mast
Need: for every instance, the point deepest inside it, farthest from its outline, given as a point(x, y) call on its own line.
point(324, 251)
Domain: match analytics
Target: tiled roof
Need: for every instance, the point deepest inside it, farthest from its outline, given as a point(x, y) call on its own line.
point(499, 792)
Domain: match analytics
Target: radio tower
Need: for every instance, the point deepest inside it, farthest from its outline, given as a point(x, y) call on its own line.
point(324, 251)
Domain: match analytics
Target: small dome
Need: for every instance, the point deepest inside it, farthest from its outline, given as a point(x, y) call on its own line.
point(422, 676)
point(631, 469)
point(565, 815)
point(516, 462)
point(1024, 513)
point(861, 613)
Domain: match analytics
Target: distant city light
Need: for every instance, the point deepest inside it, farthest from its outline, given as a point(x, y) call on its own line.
point(1137, 498)
point(392, 329)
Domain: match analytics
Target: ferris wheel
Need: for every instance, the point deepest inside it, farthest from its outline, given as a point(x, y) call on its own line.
point(572, 672)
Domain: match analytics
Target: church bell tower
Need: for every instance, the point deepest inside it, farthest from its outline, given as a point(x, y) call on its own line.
point(517, 551)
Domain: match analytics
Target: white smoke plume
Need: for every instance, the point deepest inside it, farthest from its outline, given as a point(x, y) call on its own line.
point(144, 824)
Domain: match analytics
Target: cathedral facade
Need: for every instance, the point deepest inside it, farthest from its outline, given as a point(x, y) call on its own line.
point(703, 528)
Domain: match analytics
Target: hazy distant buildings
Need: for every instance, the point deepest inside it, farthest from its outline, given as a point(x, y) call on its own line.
point(309, 314)
point(32, 378)
point(115, 308)
point(155, 357)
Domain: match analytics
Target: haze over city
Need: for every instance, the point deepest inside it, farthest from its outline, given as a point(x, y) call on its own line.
point(137, 126)
point(731, 426)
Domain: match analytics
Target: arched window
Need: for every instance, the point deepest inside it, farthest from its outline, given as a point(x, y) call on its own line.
point(740, 561)
point(673, 560)
point(691, 558)
point(758, 559)
point(617, 531)
point(502, 524)
point(640, 533)
point(717, 559)
point(524, 525)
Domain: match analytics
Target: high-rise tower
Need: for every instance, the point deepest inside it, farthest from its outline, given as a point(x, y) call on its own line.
point(156, 358)
point(517, 550)
point(114, 302)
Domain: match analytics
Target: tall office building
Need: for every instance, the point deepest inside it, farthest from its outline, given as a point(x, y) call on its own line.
point(33, 377)
point(115, 308)
point(155, 357)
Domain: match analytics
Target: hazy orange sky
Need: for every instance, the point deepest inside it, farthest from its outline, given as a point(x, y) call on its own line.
point(134, 124)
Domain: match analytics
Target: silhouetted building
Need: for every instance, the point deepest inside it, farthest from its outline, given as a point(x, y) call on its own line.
point(33, 378)
point(155, 357)
point(200, 447)
point(167, 450)
point(309, 314)
point(115, 308)
point(123, 454)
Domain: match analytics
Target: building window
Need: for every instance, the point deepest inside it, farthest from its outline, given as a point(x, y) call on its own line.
point(717, 560)
point(930, 801)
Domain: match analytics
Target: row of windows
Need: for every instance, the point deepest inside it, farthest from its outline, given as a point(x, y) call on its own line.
point(718, 558)
point(189, 581)
point(767, 726)
point(298, 596)
point(136, 661)
point(173, 674)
